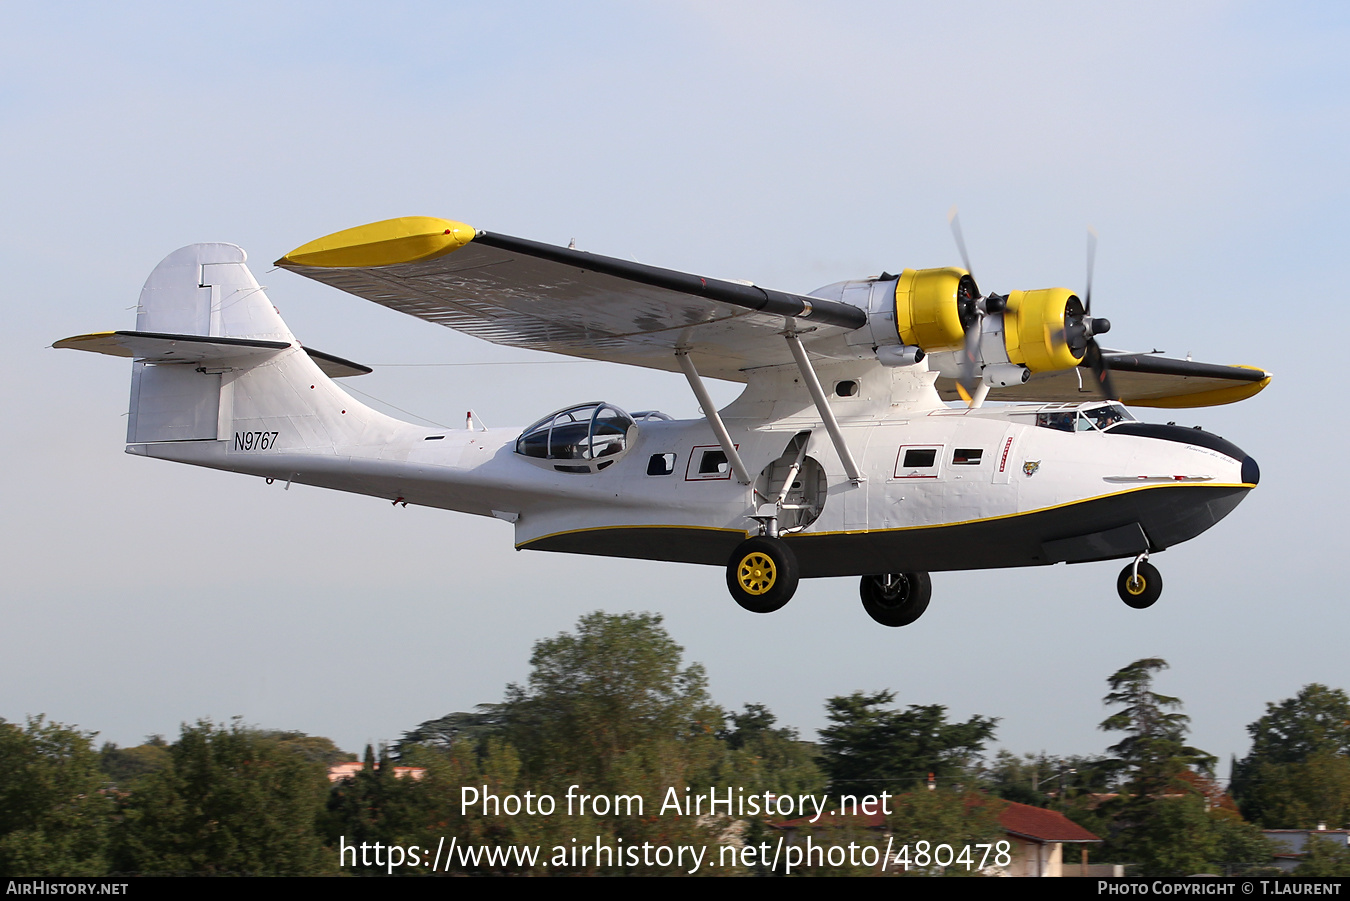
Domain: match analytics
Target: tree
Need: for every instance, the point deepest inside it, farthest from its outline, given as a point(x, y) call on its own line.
point(1153, 753)
point(868, 749)
point(233, 801)
point(1324, 858)
point(445, 732)
point(53, 815)
point(1166, 820)
point(761, 756)
point(123, 766)
point(942, 816)
point(610, 705)
point(1298, 772)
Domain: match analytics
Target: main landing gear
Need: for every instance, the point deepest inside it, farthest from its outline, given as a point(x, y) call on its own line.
point(762, 574)
point(896, 599)
point(1140, 583)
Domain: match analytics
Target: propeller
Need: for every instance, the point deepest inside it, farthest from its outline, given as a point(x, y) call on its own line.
point(1080, 329)
point(972, 307)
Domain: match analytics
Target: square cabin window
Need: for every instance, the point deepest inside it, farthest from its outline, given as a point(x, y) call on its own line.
point(661, 465)
point(918, 461)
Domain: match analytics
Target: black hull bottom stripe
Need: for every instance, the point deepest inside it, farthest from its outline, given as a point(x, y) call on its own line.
point(1167, 516)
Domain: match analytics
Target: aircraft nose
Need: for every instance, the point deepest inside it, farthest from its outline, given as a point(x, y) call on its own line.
point(1251, 473)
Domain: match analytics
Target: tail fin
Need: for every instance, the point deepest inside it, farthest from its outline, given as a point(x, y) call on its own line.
point(207, 290)
point(207, 336)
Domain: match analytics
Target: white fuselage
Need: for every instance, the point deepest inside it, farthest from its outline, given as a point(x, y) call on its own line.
point(926, 468)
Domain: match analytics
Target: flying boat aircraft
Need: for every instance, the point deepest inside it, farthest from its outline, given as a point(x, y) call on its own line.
point(889, 427)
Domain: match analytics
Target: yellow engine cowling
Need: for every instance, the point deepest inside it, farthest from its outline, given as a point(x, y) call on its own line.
point(928, 307)
point(1034, 328)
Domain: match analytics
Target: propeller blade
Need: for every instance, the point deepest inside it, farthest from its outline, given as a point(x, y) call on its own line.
point(970, 357)
point(1101, 371)
point(1091, 262)
point(954, 220)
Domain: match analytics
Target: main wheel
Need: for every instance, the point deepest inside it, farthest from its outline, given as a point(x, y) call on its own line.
point(896, 599)
point(1142, 590)
point(762, 574)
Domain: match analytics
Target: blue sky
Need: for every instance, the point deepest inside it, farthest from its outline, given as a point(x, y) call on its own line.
point(779, 142)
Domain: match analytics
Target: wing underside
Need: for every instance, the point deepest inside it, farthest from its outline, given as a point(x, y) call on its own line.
point(1143, 380)
point(522, 293)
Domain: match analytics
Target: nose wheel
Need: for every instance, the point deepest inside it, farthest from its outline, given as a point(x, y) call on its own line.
point(896, 599)
point(1140, 584)
point(762, 574)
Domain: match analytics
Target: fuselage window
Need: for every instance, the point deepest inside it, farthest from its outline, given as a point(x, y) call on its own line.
point(921, 462)
point(587, 432)
point(714, 461)
point(661, 464)
point(707, 463)
point(920, 457)
point(967, 456)
point(1064, 422)
point(846, 388)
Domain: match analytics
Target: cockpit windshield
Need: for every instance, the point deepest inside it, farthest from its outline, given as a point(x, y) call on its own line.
point(1083, 417)
point(589, 432)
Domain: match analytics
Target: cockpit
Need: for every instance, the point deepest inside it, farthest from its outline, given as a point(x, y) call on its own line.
point(585, 438)
point(1099, 416)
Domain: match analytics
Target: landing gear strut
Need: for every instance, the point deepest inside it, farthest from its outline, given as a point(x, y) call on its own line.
point(1140, 583)
point(896, 599)
point(762, 574)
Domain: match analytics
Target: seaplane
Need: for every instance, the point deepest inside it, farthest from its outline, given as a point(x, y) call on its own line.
point(890, 426)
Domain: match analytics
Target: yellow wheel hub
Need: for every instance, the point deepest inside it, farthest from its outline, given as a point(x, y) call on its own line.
point(1136, 585)
point(757, 573)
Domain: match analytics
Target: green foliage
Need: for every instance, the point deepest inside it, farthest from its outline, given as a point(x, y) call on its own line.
point(760, 756)
point(311, 747)
point(233, 801)
point(444, 733)
point(1153, 753)
point(868, 749)
point(123, 766)
point(1242, 849)
point(1164, 821)
point(947, 817)
point(610, 707)
point(53, 814)
point(1325, 857)
point(1167, 836)
point(1044, 781)
point(1298, 772)
point(1317, 721)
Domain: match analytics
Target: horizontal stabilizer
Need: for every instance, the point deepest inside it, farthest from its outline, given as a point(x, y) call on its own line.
point(152, 347)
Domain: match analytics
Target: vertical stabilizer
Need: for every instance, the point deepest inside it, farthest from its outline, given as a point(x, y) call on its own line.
point(202, 290)
point(207, 290)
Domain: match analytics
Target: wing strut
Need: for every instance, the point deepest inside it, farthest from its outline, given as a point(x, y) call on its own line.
point(714, 418)
point(823, 407)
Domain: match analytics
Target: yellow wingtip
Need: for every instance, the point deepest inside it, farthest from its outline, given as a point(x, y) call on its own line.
point(385, 243)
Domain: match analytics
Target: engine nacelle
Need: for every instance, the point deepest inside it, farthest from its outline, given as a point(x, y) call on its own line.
point(933, 308)
point(1043, 329)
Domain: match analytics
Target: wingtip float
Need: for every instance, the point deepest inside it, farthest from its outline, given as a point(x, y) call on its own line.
point(409, 239)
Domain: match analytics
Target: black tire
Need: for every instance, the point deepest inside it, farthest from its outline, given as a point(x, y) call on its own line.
point(897, 599)
point(762, 574)
point(1146, 591)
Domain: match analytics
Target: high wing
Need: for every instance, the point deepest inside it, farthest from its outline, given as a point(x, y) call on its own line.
point(522, 293)
point(525, 294)
point(1141, 380)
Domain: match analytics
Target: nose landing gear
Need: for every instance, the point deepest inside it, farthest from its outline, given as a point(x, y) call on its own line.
point(1140, 583)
